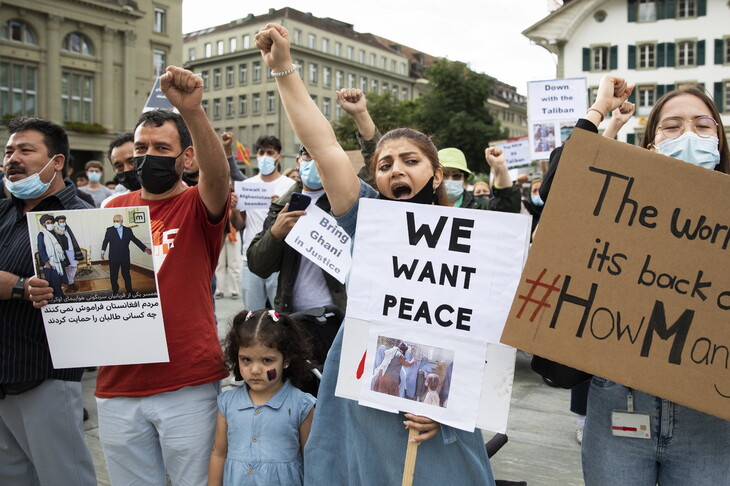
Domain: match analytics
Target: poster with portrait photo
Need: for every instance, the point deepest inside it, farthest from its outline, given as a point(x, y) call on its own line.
point(106, 307)
point(435, 375)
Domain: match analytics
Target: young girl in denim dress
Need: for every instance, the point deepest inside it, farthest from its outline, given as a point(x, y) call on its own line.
point(262, 426)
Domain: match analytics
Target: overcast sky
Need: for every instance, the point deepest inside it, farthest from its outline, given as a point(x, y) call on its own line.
point(486, 34)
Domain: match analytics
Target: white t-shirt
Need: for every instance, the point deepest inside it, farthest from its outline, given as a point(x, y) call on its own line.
point(255, 217)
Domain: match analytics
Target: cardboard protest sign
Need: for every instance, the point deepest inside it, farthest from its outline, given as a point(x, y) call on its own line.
point(553, 107)
point(629, 282)
point(95, 318)
point(253, 195)
point(440, 280)
point(516, 151)
point(157, 99)
point(317, 236)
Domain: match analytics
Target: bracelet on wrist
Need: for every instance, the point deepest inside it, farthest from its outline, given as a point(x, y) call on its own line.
point(597, 111)
point(292, 69)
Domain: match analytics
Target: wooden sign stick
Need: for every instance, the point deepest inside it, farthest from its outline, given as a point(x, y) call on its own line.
point(410, 464)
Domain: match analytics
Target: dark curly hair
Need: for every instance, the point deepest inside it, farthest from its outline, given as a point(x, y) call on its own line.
point(284, 335)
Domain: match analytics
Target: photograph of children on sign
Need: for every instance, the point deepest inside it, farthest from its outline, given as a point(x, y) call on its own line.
point(553, 107)
point(639, 292)
point(106, 308)
point(254, 195)
point(443, 279)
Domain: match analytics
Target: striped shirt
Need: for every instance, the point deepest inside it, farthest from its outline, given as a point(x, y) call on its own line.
point(24, 354)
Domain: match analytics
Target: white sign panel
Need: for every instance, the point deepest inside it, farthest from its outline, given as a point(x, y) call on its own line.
point(516, 151)
point(106, 308)
point(553, 108)
point(253, 195)
point(440, 282)
point(317, 236)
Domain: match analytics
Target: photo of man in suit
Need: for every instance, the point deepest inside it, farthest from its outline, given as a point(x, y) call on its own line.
point(118, 237)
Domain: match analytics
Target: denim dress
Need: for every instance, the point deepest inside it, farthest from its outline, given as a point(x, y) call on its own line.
point(355, 445)
point(263, 440)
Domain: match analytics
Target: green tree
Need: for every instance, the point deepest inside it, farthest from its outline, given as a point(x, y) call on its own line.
point(386, 112)
point(455, 111)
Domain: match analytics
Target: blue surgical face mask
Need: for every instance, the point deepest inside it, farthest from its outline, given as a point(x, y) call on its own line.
point(309, 175)
point(267, 165)
point(62, 225)
point(454, 189)
point(692, 148)
point(536, 200)
point(32, 186)
point(117, 225)
point(94, 176)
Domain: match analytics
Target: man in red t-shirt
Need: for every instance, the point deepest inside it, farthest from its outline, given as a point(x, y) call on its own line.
point(160, 418)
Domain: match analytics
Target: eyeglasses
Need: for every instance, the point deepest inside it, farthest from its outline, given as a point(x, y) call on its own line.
point(454, 176)
point(673, 127)
point(305, 156)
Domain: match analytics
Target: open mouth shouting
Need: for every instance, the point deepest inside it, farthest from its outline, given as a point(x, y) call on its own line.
point(400, 190)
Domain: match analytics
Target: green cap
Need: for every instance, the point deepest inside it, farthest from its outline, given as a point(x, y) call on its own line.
point(453, 158)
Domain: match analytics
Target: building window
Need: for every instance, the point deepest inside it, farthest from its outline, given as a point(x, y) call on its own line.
point(297, 37)
point(229, 106)
point(338, 49)
point(232, 44)
point(326, 107)
point(339, 79)
point(256, 72)
point(311, 41)
point(727, 96)
point(373, 59)
point(403, 69)
point(246, 42)
point(77, 95)
point(350, 80)
point(242, 105)
point(299, 65)
point(217, 108)
point(216, 78)
point(647, 56)
point(686, 53)
point(204, 76)
point(361, 56)
point(404, 94)
point(394, 92)
point(18, 31)
point(160, 20)
point(230, 76)
point(646, 98)
point(374, 85)
point(394, 65)
point(204, 104)
point(592, 95)
point(191, 54)
point(159, 62)
point(599, 58)
point(338, 111)
point(312, 73)
point(18, 95)
point(256, 108)
point(208, 49)
point(350, 52)
point(383, 63)
point(325, 45)
point(270, 102)
point(646, 11)
point(363, 84)
point(386, 87)
point(242, 74)
point(78, 43)
point(326, 77)
point(686, 9)
point(219, 46)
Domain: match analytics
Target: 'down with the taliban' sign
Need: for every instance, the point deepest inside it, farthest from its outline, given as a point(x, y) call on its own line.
point(438, 280)
point(628, 276)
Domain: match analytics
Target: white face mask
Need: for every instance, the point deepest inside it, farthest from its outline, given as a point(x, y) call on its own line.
point(692, 148)
point(49, 227)
point(454, 189)
point(32, 186)
point(117, 225)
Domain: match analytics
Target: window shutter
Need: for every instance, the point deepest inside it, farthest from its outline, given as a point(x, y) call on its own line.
point(660, 6)
point(586, 59)
point(660, 89)
point(701, 53)
point(632, 98)
point(701, 8)
point(671, 87)
point(719, 102)
point(670, 10)
point(632, 10)
point(670, 54)
point(631, 138)
point(719, 44)
point(660, 54)
point(613, 58)
point(632, 57)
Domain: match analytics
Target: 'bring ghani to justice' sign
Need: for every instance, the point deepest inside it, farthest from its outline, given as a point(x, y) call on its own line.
point(628, 276)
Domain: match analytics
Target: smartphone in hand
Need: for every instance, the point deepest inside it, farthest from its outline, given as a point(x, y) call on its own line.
point(299, 202)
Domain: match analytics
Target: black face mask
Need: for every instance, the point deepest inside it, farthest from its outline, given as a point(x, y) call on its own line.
point(156, 173)
point(427, 195)
point(129, 180)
